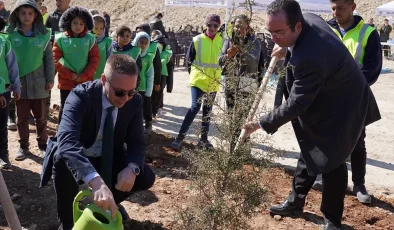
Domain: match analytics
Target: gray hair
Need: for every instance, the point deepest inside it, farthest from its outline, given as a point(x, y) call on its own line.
point(122, 64)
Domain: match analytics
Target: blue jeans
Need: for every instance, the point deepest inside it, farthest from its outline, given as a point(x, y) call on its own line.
point(198, 98)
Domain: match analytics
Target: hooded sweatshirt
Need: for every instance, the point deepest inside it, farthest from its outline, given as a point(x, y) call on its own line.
point(147, 72)
point(36, 68)
point(156, 60)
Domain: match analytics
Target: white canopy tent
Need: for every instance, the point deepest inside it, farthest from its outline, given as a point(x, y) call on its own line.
point(385, 10)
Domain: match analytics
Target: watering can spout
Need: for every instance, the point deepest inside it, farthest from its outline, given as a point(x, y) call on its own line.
point(92, 217)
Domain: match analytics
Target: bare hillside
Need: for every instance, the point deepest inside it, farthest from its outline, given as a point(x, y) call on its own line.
point(134, 12)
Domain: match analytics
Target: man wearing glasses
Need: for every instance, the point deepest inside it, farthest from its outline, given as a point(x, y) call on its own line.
point(99, 118)
point(329, 103)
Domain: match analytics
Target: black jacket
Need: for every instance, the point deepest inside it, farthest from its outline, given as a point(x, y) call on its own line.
point(329, 101)
point(373, 52)
point(53, 23)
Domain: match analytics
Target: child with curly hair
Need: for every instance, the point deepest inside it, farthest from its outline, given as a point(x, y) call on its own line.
point(75, 51)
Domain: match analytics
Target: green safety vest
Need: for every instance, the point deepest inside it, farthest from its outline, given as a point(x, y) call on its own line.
point(2, 85)
point(147, 62)
point(153, 46)
point(29, 51)
point(165, 56)
point(5, 47)
point(205, 71)
point(134, 52)
point(75, 51)
point(103, 46)
point(356, 40)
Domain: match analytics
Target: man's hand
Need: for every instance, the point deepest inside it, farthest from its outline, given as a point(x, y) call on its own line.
point(3, 102)
point(157, 88)
point(48, 86)
point(102, 196)
point(126, 180)
point(279, 52)
point(17, 96)
point(231, 52)
point(251, 127)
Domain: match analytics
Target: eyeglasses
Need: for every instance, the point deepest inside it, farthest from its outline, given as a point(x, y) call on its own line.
point(213, 25)
point(280, 34)
point(122, 93)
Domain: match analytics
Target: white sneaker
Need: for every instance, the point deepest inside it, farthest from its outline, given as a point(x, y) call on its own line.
point(11, 125)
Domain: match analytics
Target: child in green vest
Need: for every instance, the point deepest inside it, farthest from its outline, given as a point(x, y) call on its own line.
point(104, 44)
point(166, 75)
point(9, 76)
point(31, 43)
point(145, 87)
point(122, 45)
point(75, 51)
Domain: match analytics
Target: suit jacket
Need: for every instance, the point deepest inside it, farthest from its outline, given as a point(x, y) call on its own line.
point(79, 128)
point(329, 99)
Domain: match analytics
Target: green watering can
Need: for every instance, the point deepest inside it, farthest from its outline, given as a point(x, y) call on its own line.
point(94, 218)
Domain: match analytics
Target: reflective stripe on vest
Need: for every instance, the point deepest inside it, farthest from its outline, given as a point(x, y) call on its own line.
point(199, 63)
point(359, 48)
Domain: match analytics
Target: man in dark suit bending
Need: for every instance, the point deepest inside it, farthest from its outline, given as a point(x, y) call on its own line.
point(99, 118)
point(329, 104)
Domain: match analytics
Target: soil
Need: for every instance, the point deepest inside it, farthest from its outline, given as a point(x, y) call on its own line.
point(157, 207)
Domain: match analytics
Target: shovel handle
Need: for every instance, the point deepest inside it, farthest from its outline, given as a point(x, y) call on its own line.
point(257, 99)
point(8, 206)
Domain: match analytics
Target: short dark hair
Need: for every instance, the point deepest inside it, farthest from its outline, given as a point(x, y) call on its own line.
point(122, 29)
point(120, 63)
point(159, 15)
point(346, 1)
point(291, 8)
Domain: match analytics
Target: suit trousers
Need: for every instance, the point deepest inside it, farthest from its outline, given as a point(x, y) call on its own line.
point(63, 97)
point(359, 161)
point(38, 107)
point(67, 188)
point(334, 190)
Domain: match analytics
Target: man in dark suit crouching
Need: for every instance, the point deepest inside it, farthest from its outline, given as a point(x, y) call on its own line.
point(99, 118)
point(329, 103)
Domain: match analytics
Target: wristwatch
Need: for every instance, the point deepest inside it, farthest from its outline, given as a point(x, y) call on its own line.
point(135, 168)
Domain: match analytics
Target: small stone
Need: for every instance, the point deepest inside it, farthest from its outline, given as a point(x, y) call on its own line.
point(16, 196)
point(157, 163)
point(277, 217)
point(33, 227)
point(17, 207)
point(166, 192)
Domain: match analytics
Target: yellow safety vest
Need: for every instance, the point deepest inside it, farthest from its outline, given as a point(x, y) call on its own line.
point(356, 40)
point(205, 71)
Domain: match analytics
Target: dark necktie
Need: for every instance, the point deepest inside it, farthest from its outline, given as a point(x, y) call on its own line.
point(107, 148)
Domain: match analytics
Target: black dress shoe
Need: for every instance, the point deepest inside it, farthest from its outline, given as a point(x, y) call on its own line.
point(286, 208)
point(123, 212)
point(328, 225)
